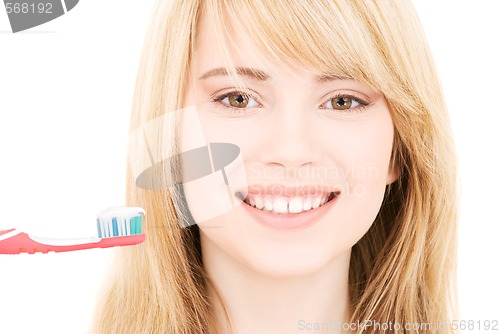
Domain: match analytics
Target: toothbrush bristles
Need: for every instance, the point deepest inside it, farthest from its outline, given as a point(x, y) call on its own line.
point(119, 226)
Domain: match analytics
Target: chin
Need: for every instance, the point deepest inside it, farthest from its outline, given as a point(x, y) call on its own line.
point(282, 266)
point(278, 256)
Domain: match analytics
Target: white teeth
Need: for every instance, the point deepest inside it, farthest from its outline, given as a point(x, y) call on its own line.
point(316, 202)
point(268, 204)
point(295, 205)
point(286, 205)
point(307, 205)
point(280, 205)
point(259, 202)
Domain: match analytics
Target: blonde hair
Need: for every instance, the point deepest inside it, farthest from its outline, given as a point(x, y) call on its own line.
point(403, 269)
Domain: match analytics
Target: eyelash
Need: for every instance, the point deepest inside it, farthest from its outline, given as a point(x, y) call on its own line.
point(218, 98)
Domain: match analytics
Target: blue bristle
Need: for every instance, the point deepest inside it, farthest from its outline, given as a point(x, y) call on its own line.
point(99, 228)
point(115, 227)
point(132, 225)
point(136, 225)
point(139, 224)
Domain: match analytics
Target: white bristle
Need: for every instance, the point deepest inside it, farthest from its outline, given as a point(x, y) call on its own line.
point(109, 228)
point(101, 230)
point(119, 221)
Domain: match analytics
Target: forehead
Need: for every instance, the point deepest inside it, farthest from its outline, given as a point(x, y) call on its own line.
point(213, 49)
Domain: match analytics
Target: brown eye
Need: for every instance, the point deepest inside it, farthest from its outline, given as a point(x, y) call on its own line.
point(341, 103)
point(238, 100)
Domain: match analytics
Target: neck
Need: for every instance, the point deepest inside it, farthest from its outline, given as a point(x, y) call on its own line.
point(260, 303)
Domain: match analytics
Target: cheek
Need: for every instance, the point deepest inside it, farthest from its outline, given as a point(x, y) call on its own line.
point(237, 132)
point(363, 162)
point(362, 151)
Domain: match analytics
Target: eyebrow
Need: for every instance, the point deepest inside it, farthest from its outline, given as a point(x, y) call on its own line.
point(330, 77)
point(245, 71)
point(262, 76)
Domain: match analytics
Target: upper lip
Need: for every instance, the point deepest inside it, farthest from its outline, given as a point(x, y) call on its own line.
point(283, 190)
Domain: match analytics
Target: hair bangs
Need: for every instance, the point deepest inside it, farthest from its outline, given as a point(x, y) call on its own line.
point(327, 37)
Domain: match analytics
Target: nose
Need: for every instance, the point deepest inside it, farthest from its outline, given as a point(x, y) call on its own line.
point(292, 141)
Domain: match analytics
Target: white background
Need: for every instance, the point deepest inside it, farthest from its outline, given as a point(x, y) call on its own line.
point(65, 95)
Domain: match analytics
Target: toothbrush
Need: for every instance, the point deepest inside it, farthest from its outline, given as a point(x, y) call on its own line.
point(116, 226)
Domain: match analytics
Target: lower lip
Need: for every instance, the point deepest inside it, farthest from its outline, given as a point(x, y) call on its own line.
point(293, 221)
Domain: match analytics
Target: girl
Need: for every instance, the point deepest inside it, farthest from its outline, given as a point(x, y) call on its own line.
point(344, 220)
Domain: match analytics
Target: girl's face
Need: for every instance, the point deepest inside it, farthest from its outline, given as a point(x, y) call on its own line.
point(305, 138)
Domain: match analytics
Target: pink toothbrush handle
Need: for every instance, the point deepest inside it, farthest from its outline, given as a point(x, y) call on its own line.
point(22, 243)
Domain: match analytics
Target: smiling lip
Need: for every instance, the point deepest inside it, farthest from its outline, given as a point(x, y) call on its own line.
point(281, 190)
point(291, 221)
